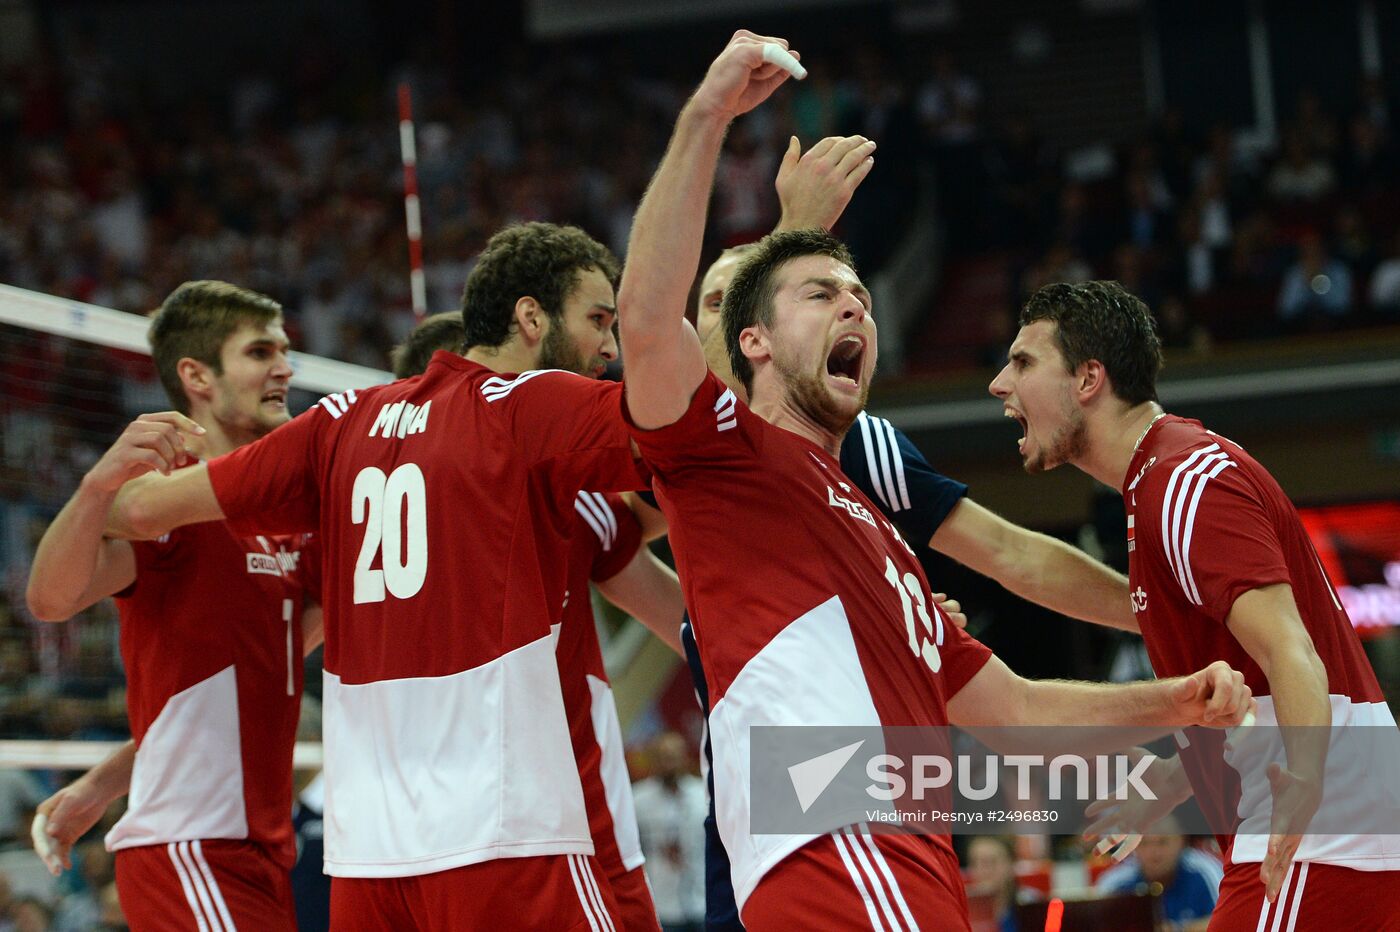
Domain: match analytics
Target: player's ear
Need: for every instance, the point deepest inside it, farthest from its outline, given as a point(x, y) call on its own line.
point(756, 343)
point(196, 377)
point(1092, 380)
point(530, 319)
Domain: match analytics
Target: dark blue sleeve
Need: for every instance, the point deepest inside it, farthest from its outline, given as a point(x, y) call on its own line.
point(891, 471)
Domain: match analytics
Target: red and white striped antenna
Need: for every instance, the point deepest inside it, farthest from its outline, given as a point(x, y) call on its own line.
point(412, 210)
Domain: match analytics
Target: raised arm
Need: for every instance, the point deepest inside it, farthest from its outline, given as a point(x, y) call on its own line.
point(665, 363)
point(815, 186)
point(76, 563)
point(1036, 566)
point(649, 591)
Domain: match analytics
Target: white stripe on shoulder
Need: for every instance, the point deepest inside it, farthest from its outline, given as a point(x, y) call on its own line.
point(1190, 526)
point(1187, 484)
point(863, 420)
point(884, 476)
point(1168, 499)
point(897, 456)
point(498, 387)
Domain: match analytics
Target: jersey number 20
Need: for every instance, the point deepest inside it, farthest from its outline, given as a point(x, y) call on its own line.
point(394, 511)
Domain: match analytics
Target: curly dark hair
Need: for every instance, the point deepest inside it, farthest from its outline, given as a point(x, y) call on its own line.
point(439, 332)
point(1103, 321)
point(749, 298)
point(538, 260)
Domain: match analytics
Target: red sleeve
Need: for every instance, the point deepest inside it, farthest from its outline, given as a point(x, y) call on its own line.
point(269, 486)
point(963, 655)
point(626, 537)
point(1216, 536)
point(573, 428)
point(717, 428)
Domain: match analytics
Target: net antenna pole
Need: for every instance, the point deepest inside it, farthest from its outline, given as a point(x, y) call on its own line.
point(412, 210)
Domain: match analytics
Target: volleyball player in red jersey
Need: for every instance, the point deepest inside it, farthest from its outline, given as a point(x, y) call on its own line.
point(211, 637)
point(445, 503)
point(819, 614)
point(607, 551)
point(1220, 569)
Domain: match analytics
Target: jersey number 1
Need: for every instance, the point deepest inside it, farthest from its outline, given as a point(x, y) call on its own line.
point(911, 596)
point(394, 511)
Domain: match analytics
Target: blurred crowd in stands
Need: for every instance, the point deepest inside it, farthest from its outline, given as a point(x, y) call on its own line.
point(293, 187)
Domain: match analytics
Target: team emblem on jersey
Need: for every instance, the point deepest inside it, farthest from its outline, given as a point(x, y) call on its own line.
point(1139, 597)
point(854, 509)
point(270, 563)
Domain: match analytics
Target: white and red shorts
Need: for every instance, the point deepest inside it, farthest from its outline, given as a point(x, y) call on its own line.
point(1314, 897)
point(856, 880)
point(214, 885)
point(564, 892)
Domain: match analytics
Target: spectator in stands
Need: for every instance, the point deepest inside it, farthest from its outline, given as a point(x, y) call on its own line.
point(1301, 175)
point(991, 867)
point(1316, 289)
point(1187, 879)
point(1385, 283)
point(32, 915)
point(671, 808)
point(1368, 163)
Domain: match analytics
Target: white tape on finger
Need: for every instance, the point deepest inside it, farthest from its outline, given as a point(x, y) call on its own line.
point(43, 844)
point(775, 54)
point(1127, 847)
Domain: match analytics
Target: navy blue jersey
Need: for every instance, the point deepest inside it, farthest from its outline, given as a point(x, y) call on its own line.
point(884, 464)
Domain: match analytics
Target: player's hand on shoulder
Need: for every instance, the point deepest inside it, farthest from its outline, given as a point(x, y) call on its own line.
point(159, 442)
point(741, 78)
point(951, 607)
point(814, 187)
point(1216, 697)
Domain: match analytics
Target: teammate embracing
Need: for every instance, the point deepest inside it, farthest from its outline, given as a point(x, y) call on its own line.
point(446, 503)
point(214, 622)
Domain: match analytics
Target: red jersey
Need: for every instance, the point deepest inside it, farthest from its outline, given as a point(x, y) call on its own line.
point(1206, 524)
point(446, 504)
point(807, 605)
point(211, 641)
point(608, 536)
